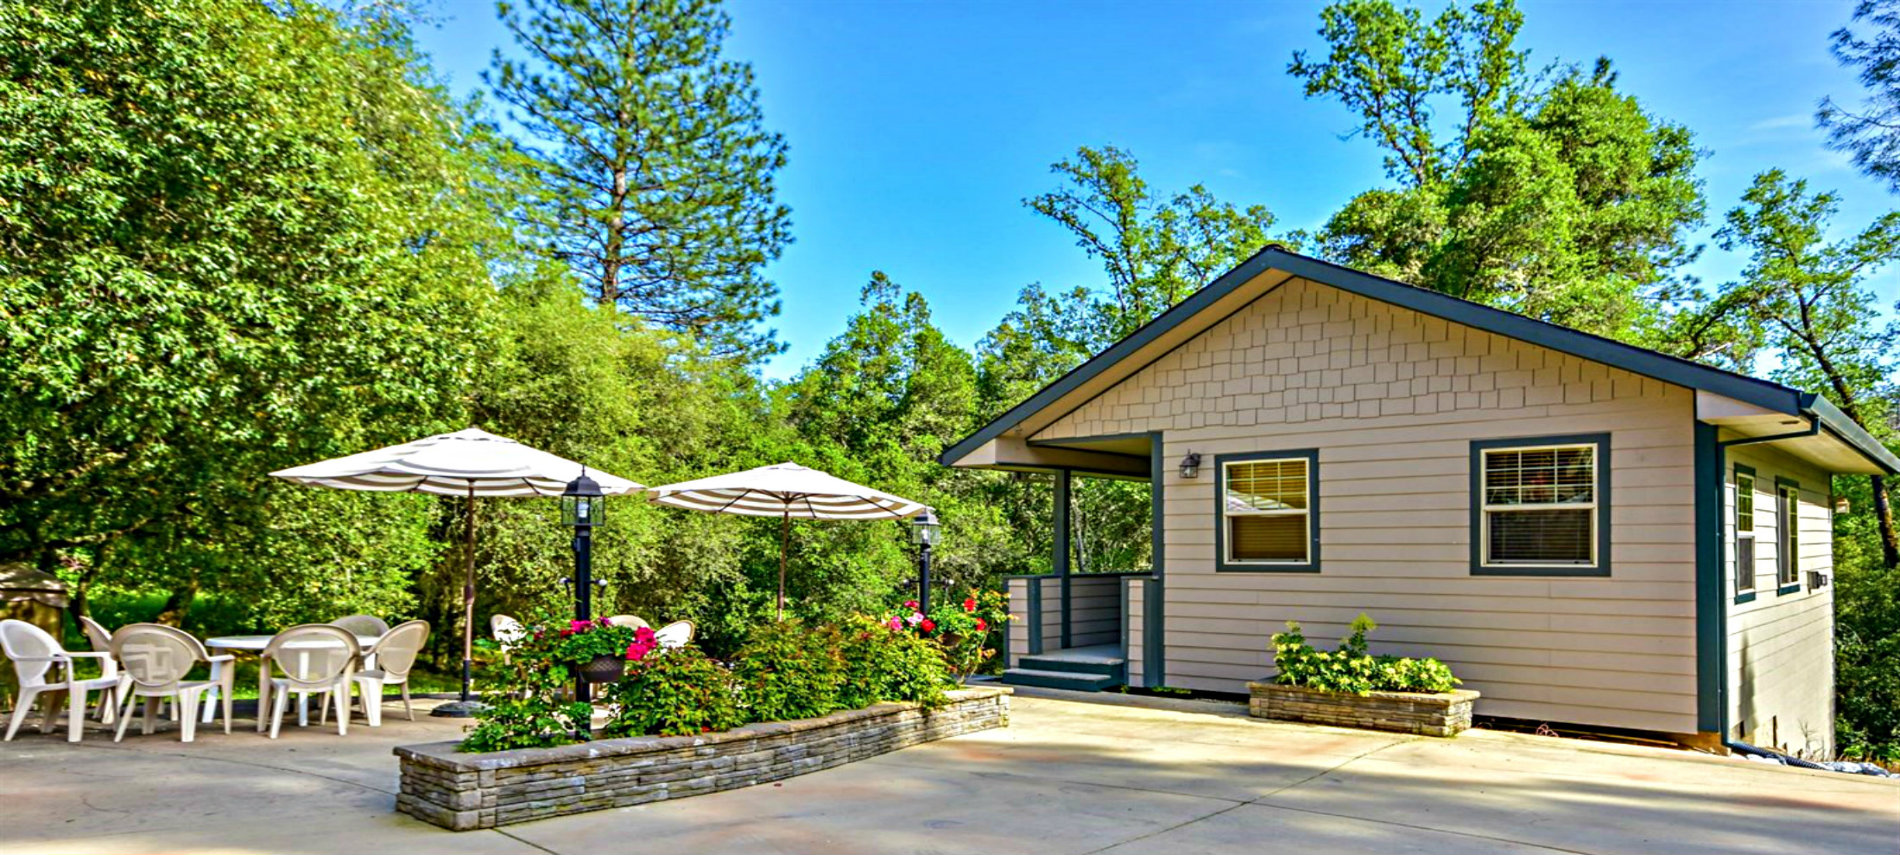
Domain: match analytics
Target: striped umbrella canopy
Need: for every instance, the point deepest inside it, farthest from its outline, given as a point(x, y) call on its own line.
point(470, 462)
point(787, 491)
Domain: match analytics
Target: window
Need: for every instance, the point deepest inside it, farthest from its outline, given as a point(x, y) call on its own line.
point(1267, 518)
point(1787, 533)
point(1540, 507)
point(1744, 530)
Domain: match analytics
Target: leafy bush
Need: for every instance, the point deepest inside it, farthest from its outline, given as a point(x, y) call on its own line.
point(1352, 670)
point(790, 670)
point(884, 664)
point(584, 641)
point(674, 693)
point(525, 700)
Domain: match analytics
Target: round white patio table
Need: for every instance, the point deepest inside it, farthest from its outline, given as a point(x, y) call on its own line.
point(256, 644)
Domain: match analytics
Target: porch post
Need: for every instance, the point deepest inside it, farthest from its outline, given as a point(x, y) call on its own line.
point(1062, 546)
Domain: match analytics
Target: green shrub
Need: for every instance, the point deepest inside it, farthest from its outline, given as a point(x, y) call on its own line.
point(677, 692)
point(1351, 669)
point(526, 706)
point(882, 664)
point(789, 670)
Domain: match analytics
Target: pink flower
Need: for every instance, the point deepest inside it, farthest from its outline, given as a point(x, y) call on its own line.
point(914, 619)
point(644, 635)
point(896, 622)
point(910, 604)
point(579, 626)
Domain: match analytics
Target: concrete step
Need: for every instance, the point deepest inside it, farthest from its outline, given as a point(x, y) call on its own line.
point(1060, 679)
point(1094, 665)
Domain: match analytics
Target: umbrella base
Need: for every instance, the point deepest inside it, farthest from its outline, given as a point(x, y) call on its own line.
point(459, 709)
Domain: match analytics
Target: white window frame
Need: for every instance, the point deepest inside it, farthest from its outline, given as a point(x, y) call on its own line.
point(1227, 548)
point(1487, 509)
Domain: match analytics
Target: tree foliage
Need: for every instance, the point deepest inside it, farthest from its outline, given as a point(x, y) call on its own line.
point(1870, 131)
point(231, 239)
point(650, 170)
point(1565, 202)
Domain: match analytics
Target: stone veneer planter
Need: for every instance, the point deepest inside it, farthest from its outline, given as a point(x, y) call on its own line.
point(462, 791)
point(1439, 714)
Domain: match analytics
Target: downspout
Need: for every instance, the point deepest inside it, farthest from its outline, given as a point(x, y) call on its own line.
point(1717, 499)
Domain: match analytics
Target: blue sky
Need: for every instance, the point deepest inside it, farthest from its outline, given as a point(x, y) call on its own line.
point(915, 130)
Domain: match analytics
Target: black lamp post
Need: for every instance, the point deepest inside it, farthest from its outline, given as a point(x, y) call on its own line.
point(924, 531)
point(582, 508)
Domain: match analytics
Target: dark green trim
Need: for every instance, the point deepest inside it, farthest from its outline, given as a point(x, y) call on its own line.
point(1034, 610)
point(1785, 590)
point(1154, 617)
point(1063, 547)
point(1733, 514)
point(1605, 490)
point(1711, 608)
point(1311, 564)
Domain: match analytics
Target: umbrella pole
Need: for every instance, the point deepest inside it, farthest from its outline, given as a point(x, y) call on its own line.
point(468, 595)
point(784, 543)
point(467, 706)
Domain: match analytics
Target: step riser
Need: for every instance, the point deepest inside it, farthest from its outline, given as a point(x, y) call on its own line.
point(1100, 669)
point(1077, 683)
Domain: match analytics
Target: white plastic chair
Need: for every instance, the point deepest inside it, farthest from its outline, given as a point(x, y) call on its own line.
point(35, 653)
point(156, 659)
point(395, 653)
point(674, 635)
point(315, 659)
point(508, 632)
point(627, 620)
point(362, 624)
point(101, 642)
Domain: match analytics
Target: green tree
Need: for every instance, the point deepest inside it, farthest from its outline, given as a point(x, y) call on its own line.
point(651, 170)
point(1808, 301)
point(1565, 202)
point(1870, 133)
point(232, 238)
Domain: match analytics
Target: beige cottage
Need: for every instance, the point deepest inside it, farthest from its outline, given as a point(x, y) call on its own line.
point(1587, 532)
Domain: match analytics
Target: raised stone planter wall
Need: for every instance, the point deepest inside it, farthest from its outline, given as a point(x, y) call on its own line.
point(466, 791)
point(1441, 714)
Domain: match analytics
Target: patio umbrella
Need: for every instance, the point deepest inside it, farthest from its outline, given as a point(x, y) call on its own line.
point(471, 462)
point(787, 491)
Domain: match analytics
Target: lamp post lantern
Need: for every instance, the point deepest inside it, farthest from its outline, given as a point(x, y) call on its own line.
point(924, 531)
point(582, 508)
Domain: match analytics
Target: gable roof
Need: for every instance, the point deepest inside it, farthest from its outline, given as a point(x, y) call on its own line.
point(1115, 363)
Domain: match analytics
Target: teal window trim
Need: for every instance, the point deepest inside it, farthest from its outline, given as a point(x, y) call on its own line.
point(1744, 594)
point(1311, 565)
point(1601, 457)
point(1787, 537)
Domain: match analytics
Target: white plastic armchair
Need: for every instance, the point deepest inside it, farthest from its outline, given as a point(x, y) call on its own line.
point(156, 660)
point(395, 653)
point(674, 635)
point(36, 655)
point(362, 624)
point(628, 620)
point(315, 659)
point(508, 632)
point(101, 642)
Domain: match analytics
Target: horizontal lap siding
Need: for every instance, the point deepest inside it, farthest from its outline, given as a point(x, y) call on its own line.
point(1781, 646)
point(1095, 610)
point(1392, 400)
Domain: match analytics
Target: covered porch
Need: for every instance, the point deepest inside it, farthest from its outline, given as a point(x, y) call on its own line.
point(1085, 625)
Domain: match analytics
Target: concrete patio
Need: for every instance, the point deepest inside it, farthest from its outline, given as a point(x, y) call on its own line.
point(1068, 776)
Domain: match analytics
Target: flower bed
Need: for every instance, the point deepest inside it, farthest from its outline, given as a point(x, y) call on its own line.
point(1349, 687)
point(444, 785)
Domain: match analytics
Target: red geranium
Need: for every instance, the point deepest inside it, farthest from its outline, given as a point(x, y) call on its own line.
point(981, 626)
point(969, 604)
point(928, 625)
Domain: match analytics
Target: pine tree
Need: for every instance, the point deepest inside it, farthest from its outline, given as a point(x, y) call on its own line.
point(652, 166)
